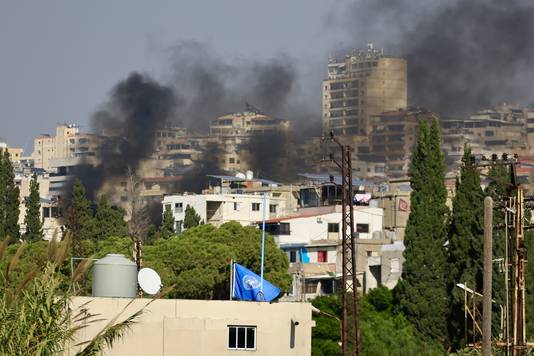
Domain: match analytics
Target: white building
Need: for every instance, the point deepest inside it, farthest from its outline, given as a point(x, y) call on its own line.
point(217, 209)
point(312, 241)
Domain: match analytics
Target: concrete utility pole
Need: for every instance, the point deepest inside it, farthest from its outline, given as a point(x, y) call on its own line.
point(488, 268)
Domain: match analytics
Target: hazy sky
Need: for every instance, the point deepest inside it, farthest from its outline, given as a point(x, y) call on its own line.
point(60, 58)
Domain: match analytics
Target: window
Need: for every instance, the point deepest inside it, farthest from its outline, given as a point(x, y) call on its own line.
point(363, 228)
point(272, 208)
point(310, 287)
point(46, 213)
point(235, 206)
point(333, 227)
point(231, 160)
point(293, 256)
point(241, 337)
point(178, 207)
point(322, 256)
point(284, 229)
point(255, 206)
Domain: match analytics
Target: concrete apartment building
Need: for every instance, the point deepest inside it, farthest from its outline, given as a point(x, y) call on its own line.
point(392, 138)
point(312, 241)
point(235, 131)
point(217, 209)
point(203, 327)
point(68, 142)
point(360, 85)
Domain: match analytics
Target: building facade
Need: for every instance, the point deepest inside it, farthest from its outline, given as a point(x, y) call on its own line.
point(202, 327)
point(360, 85)
point(217, 209)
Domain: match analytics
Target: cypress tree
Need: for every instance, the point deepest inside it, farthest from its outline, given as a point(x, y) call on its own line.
point(2, 195)
point(32, 219)
point(167, 224)
point(191, 218)
point(10, 199)
point(421, 292)
point(109, 221)
point(80, 220)
point(465, 244)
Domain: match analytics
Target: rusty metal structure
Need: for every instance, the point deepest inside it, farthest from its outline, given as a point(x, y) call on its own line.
point(350, 322)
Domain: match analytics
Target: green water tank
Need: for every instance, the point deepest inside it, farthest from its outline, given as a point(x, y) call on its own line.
point(114, 276)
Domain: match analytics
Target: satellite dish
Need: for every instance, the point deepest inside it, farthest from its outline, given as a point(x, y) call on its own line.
point(149, 281)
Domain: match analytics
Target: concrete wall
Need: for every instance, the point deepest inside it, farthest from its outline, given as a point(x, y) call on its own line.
point(197, 327)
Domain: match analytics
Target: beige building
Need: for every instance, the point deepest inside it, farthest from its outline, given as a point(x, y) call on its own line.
point(235, 130)
point(68, 142)
point(360, 85)
point(202, 327)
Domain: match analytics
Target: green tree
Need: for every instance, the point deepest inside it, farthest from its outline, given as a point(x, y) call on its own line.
point(109, 221)
point(80, 221)
point(167, 224)
point(421, 292)
point(32, 219)
point(383, 331)
point(466, 231)
point(9, 199)
point(198, 262)
point(191, 218)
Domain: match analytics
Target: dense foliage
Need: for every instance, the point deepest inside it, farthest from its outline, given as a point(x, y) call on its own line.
point(9, 199)
point(421, 293)
point(466, 231)
point(32, 218)
point(197, 262)
point(383, 331)
point(191, 218)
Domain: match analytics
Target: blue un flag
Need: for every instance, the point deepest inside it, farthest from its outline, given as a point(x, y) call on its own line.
point(247, 286)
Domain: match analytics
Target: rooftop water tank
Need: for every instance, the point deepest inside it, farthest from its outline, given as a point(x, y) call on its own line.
point(114, 276)
point(249, 175)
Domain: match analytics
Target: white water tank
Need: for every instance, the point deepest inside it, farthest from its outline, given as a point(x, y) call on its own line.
point(114, 276)
point(249, 175)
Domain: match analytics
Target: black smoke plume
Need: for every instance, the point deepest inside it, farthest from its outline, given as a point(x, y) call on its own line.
point(211, 87)
point(463, 55)
point(126, 123)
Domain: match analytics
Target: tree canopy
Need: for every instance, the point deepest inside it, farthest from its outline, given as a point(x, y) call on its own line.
point(197, 262)
point(421, 292)
point(9, 199)
point(32, 218)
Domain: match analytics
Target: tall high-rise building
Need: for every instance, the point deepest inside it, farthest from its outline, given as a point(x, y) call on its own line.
point(359, 86)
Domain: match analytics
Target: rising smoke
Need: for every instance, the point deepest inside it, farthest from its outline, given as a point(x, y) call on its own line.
point(127, 122)
point(463, 55)
point(200, 86)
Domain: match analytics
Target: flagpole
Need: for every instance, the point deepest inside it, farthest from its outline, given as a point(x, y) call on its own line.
point(263, 240)
point(231, 278)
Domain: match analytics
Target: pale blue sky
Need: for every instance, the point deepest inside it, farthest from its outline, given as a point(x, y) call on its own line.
point(59, 58)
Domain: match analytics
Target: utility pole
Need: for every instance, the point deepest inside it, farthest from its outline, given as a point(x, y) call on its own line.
point(488, 269)
point(520, 337)
point(350, 325)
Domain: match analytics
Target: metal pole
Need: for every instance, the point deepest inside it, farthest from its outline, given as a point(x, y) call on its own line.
point(506, 283)
point(488, 269)
point(263, 240)
point(231, 278)
point(519, 289)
